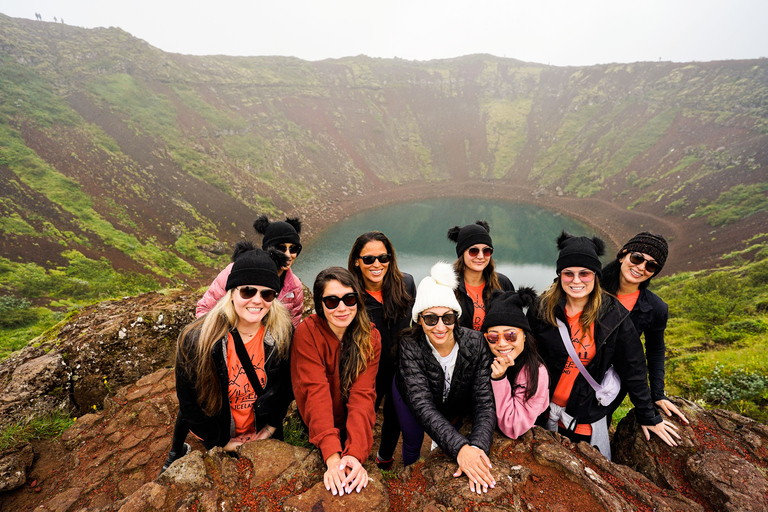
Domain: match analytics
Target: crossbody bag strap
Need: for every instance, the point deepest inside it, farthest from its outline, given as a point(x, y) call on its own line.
point(245, 361)
point(574, 356)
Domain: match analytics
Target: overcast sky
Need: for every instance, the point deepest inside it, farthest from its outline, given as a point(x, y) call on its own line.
point(557, 32)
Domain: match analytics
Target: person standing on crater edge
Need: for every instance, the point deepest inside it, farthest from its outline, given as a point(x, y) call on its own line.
point(477, 271)
point(389, 296)
point(232, 368)
point(283, 236)
point(628, 277)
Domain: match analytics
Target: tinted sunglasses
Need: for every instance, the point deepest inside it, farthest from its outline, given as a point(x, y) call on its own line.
point(431, 319)
point(383, 258)
point(332, 301)
point(293, 249)
point(637, 259)
point(585, 276)
point(493, 337)
point(249, 292)
point(474, 251)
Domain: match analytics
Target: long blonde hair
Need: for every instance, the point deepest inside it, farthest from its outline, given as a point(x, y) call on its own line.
point(194, 352)
point(555, 294)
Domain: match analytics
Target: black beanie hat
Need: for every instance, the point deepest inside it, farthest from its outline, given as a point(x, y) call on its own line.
point(253, 266)
point(506, 308)
point(469, 235)
point(277, 232)
point(580, 251)
point(653, 245)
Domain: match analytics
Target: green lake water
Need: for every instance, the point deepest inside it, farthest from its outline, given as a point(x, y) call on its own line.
point(523, 238)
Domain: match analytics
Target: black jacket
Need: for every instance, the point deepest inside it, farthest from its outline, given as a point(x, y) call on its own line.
point(649, 317)
point(617, 344)
point(389, 331)
point(270, 407)
point(468, 305)
point(420, 382)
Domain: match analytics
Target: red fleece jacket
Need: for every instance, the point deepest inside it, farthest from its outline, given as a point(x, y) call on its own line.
point(315, 353)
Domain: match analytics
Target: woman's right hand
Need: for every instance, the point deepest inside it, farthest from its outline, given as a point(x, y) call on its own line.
point(475, 463)
point(499, 366)
point(334, 477)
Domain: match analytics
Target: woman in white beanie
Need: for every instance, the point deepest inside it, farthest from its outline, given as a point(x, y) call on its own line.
point(444, 376)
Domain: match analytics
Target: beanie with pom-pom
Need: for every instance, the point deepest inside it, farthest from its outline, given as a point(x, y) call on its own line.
point(437, 290)
point(506, 308)
point(469, 235)
point(580, 251)
point(279, 232)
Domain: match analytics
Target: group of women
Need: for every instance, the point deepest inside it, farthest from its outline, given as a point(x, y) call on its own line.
point(464, 344)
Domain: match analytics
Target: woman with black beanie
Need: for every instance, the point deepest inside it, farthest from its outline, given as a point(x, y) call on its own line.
point(477, 271)
point(233, 377)
point(627, 277)
point(575, 316)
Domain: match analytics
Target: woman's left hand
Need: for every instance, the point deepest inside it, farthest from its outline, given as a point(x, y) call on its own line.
point(668, 408)
point(665, 430)
point(475, 463)
point(357, 476)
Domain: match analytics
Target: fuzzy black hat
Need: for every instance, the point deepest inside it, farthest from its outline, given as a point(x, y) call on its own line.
point(651, 244)
point(580, 251)
point(277, 232)
point(506, 308)
point(253, 266)
point(469, 235)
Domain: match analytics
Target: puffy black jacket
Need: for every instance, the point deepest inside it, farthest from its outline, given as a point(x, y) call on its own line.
point(617, 344)
point(270, 407)
point(420, 379)
point(389, 331)
point(468, 305)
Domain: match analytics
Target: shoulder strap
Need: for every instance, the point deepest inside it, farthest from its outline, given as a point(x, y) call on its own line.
point(574, 356)
point(245, 361)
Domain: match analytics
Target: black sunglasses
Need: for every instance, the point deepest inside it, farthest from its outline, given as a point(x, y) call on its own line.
point(383, 258)
point(332, 301)
point(474, 251)
point(293, 249)
point(494, 337)
point(248, 292)
point(638, 259)
point(431, 319)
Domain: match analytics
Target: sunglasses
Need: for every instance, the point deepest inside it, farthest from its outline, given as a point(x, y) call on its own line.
point(332, 301)
point(249, 292)
point(383, 258)
point(585, 276)
point(431, 319)
point(493, 337)
point(637, 259)
point(474, 251)
point(294, 249)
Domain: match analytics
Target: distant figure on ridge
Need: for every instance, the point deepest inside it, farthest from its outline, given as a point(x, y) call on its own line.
point(477, 271)
point(283, 236)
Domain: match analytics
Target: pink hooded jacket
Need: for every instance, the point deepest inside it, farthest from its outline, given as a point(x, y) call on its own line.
point(291, 296)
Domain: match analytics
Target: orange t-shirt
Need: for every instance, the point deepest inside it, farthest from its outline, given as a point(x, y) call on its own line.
point(629, 300)
point(241, 394)
point(478, 315)
point(584, 344)
point(379, 296)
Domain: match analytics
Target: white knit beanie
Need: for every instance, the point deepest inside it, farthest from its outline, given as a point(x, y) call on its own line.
point(437, 290)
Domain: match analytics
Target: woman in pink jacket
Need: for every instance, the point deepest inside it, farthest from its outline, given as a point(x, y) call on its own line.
point(518, 376)
point(284, 236)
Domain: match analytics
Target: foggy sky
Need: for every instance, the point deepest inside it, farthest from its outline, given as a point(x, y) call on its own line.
point(556, 32)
